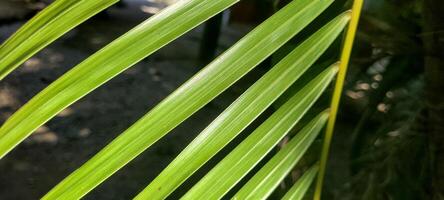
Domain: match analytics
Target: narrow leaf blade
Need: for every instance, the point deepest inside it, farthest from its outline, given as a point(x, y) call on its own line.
point(189, 98)
point(51, 23)
point(300, 188)
point(268, 178)
point(244, 157)
point(105, 64)
point(244, 111)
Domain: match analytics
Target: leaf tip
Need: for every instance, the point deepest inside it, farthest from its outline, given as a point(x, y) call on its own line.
point(326, 111)
point(348, 14)
point(335, 67)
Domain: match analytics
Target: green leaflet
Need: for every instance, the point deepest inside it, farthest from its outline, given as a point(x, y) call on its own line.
point(57, 19)
point(300, 188)
point(242, 112)
point(189, 98)
point(268, 178)
point(105, 64)
point(244, 157)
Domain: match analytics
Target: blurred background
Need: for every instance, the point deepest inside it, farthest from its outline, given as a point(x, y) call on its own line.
point(388, 144)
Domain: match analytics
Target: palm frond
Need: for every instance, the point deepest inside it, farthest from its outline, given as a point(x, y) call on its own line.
point(57, 19)
point(241, 160)
point(268, 178)
point(105, 64)
point(190, 97)
point(201, 89)
point(247, 108)
point(300, 188)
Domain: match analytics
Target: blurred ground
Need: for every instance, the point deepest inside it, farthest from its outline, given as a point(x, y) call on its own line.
point(76, 134)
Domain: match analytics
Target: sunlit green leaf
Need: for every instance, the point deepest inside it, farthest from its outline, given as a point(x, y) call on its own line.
point(189, 98)
point(243, 158)
point(300, 188)
point(268, 178)
point(247, 108)
point(105, 64)
point(51, 23)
